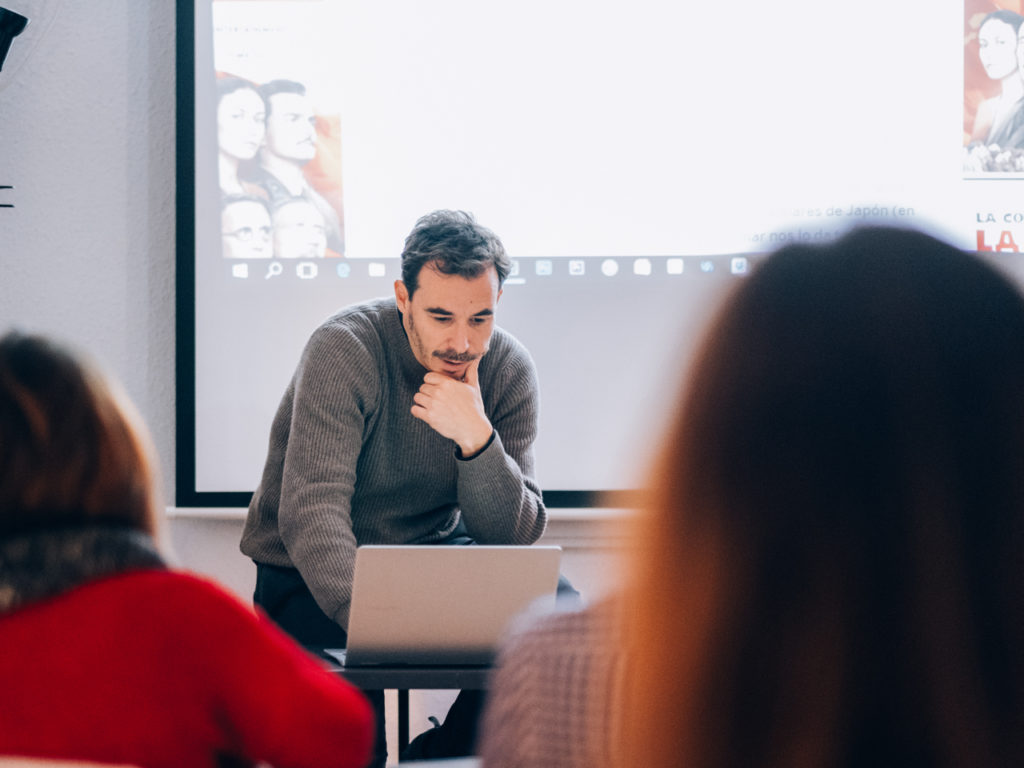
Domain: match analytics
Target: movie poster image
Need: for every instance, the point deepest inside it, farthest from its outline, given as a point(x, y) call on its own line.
point(278, 130)
point(993, 130)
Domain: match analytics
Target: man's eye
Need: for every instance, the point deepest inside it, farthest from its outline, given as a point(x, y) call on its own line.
point(479, 320)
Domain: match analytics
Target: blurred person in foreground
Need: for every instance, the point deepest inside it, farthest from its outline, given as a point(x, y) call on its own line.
point(829, 568)
point(106, 653)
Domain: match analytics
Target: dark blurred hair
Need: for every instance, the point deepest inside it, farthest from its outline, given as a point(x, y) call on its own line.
point(831, 568)
point(453, 243)
point(72, 449)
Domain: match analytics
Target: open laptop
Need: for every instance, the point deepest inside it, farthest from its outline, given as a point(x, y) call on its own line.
point(430, 604)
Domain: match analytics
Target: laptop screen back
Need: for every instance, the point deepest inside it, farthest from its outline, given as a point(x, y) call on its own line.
point(442, 604)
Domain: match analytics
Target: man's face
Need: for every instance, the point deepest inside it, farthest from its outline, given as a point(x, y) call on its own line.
point(449, 319)
point(291, 127)
point(245, 231)
point(299, 231)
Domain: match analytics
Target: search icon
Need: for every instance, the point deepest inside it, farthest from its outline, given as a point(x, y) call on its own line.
point(274, 270)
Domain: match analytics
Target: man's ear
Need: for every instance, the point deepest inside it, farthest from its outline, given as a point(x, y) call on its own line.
point(401, 296)
point(498, 296)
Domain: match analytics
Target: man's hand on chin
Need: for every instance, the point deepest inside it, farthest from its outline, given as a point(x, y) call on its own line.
point(455, 409)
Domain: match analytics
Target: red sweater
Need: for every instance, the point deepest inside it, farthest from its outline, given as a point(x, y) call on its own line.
point(159, 668)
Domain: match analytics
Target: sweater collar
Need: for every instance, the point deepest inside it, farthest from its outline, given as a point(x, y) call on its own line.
point(42, 564)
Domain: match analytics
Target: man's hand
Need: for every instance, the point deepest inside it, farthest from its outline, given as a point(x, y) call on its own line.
point(455, 409)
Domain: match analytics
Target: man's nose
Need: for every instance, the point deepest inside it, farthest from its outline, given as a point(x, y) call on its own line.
point(460, 338)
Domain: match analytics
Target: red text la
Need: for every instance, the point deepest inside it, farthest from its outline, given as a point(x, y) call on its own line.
point(1006, 242)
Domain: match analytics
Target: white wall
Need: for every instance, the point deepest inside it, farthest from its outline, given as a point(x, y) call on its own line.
point(87, 142)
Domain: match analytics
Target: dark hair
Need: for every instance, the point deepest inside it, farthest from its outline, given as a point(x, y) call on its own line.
point(72, 450)
point(831, 568)
point(274, 87)
point(1009, 17)
point(226, 85)
point(453, 243)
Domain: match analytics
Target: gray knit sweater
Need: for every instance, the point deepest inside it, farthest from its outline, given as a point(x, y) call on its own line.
point(348, 464)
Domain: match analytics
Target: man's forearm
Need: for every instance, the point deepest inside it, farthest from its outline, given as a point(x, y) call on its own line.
point(500, 503)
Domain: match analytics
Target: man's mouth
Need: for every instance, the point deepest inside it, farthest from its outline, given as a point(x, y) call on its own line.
point(455, 366)
point(453, 358)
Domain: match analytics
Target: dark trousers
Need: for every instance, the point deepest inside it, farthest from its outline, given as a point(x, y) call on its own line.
point(283, 594)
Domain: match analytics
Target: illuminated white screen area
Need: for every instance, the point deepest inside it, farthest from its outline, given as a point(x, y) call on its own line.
point(636, 159)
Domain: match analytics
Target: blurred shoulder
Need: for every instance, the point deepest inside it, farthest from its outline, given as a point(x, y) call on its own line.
point(561, 632)
point(352, 339)
point(365, 320)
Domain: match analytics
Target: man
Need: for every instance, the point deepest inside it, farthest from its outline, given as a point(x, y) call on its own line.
point(290, 144)
point(299, 230)
point(245, 228)
point(409, 420)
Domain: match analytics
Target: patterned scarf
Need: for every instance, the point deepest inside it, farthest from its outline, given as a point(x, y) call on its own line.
point(42, 564)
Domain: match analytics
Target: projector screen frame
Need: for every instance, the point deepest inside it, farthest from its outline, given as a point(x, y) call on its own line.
point(754, 201)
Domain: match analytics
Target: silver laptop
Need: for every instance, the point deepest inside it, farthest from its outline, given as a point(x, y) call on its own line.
point(434, 604)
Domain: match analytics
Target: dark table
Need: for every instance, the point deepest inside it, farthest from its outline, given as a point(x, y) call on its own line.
point(406, 677)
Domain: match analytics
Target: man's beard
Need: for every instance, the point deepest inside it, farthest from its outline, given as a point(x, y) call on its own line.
point(451, 356)
point(447, 355)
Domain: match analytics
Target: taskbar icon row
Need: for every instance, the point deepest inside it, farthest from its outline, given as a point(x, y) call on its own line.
point(308, 270)
point(640, 266)
point(521, 268)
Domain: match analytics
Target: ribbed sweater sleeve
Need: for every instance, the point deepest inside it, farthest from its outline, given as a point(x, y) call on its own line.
point(333, 395)
point(498, 493)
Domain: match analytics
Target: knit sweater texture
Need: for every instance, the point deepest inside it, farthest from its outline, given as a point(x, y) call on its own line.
point(553, 694)
point(348, 464)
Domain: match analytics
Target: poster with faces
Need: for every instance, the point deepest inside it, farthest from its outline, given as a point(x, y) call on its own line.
point(278, 130)
point(993, 87)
